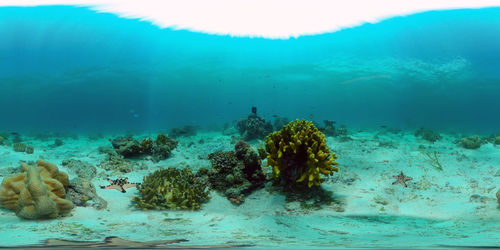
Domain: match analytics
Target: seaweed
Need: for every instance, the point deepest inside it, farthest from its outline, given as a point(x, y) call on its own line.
point(433, 159)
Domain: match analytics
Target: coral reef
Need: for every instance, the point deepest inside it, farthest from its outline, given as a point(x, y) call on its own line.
point(497, 140)
point(19, 147)
point(126, 146)
point(81, 169)
point(254, 127)
point(162, 147)
point(498, 196)
point(171, 188)
point(299, 155)
point(116, 163)
point(156, 150)
point(83, 194)
point(428, 135)
point(472, 142)
point(37, 192)
point(329, 128)
point(236, 174)
point(185, 131)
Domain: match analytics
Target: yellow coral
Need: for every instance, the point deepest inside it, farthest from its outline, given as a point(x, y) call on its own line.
point(298, 154)
point(37, 192)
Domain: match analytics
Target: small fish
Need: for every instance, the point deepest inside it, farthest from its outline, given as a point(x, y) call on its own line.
point(311, 116)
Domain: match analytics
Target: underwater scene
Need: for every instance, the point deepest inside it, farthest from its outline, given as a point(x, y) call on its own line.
point(117, 133)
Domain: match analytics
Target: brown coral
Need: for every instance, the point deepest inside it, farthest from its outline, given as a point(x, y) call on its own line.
point(37, 192)
point(498, 196)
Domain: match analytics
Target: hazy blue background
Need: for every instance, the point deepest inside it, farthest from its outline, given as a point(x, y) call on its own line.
point(69, 68)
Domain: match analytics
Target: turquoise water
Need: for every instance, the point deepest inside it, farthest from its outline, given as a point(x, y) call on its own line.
point(85, 78)
point(76, 69)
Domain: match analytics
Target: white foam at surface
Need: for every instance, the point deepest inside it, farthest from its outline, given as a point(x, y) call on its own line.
point(261, 18)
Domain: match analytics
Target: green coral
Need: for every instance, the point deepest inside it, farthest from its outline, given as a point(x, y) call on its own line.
point(497, 140)
point(472, 142)
point(299, 155)
point(428, 135)
point(19, 147)
point(171, 188)
point(156, 150)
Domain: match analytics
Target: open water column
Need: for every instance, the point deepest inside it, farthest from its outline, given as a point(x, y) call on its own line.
point(249, 124)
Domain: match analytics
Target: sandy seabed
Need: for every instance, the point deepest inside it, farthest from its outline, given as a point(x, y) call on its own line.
point(455, 206)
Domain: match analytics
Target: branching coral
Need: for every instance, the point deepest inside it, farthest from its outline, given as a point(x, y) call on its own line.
point(299, 155)
point(237, 173)
point(171, 188)
point(162, 147)
point(36, 193)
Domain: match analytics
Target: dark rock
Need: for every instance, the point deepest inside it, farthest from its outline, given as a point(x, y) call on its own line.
point(29, 149)
point(472, 142)
point(479, 199)
point(81, 169)
point(57, 143)
point(127, 146)
point(156, 150)
point(428, 135)
point(83, 194)
point(254, 127)
point(185, 131)
point(116, 163)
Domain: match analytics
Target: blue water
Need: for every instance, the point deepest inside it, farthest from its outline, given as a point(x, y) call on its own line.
point(71, 69)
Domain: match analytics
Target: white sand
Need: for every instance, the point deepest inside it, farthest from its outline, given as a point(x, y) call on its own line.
point(436, 207)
